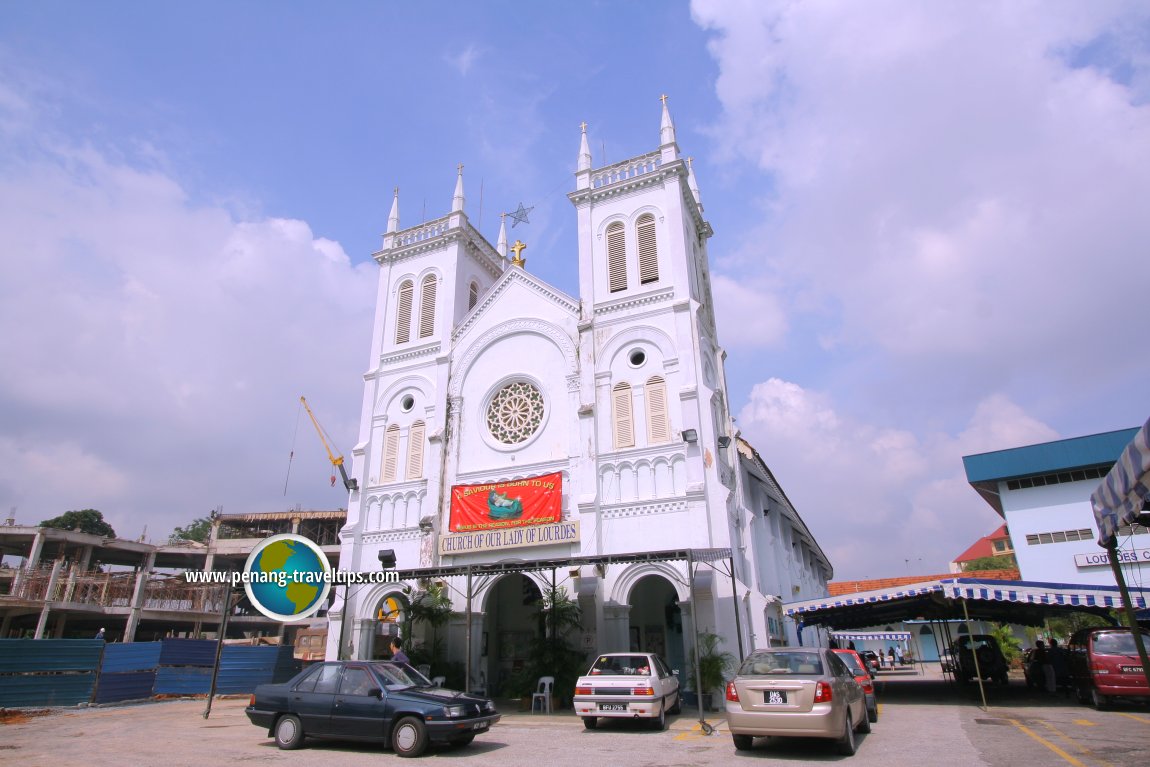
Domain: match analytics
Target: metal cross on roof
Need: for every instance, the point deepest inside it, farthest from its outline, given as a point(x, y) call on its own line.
point(520, 216)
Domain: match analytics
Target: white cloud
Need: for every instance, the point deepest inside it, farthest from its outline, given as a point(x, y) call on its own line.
point(154, 351)
point(748, 314)
point(465, 59)
point(875, 495)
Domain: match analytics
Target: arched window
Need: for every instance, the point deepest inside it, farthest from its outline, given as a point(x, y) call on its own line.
point(623, 424)
point(415, 443)
point(427, 307)
point(473, 296)
point(616, 258)
point(403, 312)
point(390, 468)
point(648, 253)
point(658, 427)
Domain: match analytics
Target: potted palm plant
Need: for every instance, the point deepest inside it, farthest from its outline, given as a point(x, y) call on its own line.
point(714, 665)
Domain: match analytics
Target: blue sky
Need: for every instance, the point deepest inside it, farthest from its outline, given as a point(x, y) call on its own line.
point(930, 231)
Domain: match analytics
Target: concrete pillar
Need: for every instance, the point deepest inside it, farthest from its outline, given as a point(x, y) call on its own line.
point(616, 630)
point(30, 564)
point(85, 558)
point(138, 597)
point(49, 593)
point(5, 626)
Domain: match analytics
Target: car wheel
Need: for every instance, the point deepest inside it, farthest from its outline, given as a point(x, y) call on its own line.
point(660, 722)
point(1100, 701)
point(872, 713)
point(846, 744)
point(589, 722)
point(743, 742)
point(409, 738)
point(678, 707)
point(289, 732)
point(864, 722)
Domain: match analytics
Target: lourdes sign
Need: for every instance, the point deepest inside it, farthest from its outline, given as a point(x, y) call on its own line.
point(504, 515)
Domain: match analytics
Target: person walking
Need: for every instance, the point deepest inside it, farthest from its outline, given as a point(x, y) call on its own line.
point(397, 653)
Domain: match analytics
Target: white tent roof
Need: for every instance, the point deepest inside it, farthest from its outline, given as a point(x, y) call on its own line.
point(1124, 490)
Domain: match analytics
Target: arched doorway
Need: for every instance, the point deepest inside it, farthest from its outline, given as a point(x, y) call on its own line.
point(656, 623)
point(390, 613)
point(510, 626)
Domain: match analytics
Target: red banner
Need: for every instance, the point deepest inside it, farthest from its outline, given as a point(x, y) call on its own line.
point(515, 503)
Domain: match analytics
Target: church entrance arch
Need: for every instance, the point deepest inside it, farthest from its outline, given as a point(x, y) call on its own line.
point(656, 623)
point(390, 613)
point(512, 622)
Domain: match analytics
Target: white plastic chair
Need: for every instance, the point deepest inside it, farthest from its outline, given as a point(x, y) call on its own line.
point(438, 680)
point(543, 694)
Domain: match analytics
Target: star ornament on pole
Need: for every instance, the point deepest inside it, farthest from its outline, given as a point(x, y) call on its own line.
point(520, 216)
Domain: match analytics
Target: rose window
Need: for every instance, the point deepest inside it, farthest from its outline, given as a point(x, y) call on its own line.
point(515, 413)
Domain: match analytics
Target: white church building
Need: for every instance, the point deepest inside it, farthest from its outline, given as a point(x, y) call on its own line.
point(505, 420)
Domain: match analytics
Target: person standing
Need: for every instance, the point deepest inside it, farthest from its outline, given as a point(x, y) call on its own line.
point(100, 633)
point(397, 653)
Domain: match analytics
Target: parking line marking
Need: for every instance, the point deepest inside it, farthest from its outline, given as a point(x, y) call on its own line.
point(1135, 717)
point(1053, 747)
point(1081, 748)
point(1085, 723)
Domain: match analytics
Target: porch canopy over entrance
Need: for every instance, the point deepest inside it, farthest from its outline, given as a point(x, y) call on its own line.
point(1026, 603)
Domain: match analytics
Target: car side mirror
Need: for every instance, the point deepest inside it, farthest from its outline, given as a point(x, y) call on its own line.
point(375, 692)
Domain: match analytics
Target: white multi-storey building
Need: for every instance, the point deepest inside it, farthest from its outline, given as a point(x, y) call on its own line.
point(506, 420)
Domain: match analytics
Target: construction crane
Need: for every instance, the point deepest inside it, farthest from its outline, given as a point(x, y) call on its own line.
point(336, 460)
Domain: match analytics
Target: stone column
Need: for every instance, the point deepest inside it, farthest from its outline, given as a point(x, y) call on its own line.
point(49, 593)
point(139, 595)
point(616, 630)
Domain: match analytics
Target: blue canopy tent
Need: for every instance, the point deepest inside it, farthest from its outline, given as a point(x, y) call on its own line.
point(1121, 499)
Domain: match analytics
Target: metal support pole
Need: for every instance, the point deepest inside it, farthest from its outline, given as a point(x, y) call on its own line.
point(974, 656)
point(1128, 606)
point(467, 665)
point(227, 610)
point(735, 602)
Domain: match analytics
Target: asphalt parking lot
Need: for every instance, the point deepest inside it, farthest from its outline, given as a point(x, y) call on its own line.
point(924, 720)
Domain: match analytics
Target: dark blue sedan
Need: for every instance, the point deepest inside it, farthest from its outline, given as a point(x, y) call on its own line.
point(379, 702)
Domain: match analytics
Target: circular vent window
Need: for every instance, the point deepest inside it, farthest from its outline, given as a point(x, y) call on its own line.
point(515, 413)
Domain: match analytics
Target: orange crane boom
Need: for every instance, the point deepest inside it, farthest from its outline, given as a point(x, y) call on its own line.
point(336, 460)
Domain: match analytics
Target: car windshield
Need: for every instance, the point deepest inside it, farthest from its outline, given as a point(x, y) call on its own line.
point(622, 665)
point(397, 676)
point(761, 664)
point(1116, 643)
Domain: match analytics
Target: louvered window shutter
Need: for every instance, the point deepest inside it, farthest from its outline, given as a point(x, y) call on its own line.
point(427, 307)
point(415, 443)
point(403, 313)
point(390, 454)
point(473, 296)
point(648, 253)
point(616, 258)
point(658, 429)
point(624, 425)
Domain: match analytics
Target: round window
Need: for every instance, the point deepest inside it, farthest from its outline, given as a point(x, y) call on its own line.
point(407, 403)
point(637, 358)
point(515, 413)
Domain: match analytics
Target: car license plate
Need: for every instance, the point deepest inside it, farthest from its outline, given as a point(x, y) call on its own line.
point(479, 726)
point(612, 706)
point(1131, 669)
point(776, 697)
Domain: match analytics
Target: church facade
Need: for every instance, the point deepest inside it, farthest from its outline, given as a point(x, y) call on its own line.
point(505, 420)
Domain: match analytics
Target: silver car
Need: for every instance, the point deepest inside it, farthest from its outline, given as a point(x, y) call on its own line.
point(796, 692)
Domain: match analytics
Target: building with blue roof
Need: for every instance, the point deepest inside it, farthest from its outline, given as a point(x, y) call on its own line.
point(1043, 493)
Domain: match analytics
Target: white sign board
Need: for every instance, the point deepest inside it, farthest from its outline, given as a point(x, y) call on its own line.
point(513, 538)
point(1101, 558)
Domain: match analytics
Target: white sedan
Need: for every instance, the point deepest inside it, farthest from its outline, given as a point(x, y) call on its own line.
point(627, 685)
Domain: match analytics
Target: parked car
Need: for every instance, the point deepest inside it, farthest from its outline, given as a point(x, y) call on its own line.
point(991, 662)
point(870, 657)
point(864, 678)
point(796, 692)
point(1104, 665)
point(627, 686)
point(381, 702)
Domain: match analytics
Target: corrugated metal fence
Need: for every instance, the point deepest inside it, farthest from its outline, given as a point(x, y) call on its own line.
point(66, 672)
